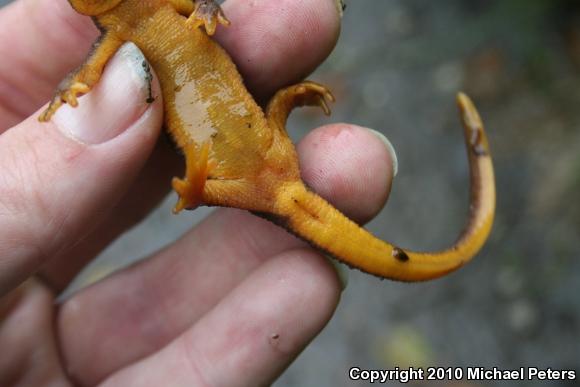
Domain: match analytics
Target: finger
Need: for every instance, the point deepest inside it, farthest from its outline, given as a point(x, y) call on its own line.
point(348, 166)
point(263, 39)
point(40, 42)
point(144, 307)
point(266, 39)
point(253, 334)
point(60, 179)
point(29, 352)
point(278, 51)
point(147, 190)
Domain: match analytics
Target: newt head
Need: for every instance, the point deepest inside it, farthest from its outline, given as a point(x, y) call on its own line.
point(93, 7)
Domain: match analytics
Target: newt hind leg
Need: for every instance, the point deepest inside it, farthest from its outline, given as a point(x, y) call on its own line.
point(209, 14)
point(198, 166)
point(306, 93)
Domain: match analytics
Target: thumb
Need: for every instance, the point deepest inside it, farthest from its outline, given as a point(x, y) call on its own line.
point(58, 180)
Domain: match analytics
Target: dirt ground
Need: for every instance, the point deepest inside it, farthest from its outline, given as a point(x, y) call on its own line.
point(396, 69)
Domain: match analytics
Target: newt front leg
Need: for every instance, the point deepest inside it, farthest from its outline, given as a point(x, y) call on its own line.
point(85, 77)
point(205, 13)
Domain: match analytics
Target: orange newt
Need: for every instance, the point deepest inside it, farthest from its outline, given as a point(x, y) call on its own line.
point(238, 155)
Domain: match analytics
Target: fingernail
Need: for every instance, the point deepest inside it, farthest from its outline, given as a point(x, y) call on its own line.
point(341, 6)
point(116, 101)
point(341, 271)
point(390, 149)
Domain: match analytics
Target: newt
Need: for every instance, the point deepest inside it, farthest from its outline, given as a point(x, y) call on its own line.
point(238, 155)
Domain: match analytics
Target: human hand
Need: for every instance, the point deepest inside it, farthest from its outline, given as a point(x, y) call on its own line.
point(232, 302)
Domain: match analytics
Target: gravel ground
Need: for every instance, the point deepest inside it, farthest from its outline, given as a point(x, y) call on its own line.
point(396, 69)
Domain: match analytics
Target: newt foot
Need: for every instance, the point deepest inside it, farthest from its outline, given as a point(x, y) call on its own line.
point(306, 93)
point(207, 13)
point(67, 94)
point(198, 166)
point(313, 94)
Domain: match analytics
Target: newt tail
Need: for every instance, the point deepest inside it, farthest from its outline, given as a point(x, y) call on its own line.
point(318, 222)
point(238, 155)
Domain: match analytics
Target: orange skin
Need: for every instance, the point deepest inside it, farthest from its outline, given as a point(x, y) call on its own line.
point(240, 156)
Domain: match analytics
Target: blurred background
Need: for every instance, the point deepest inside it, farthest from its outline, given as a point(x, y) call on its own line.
point(396, 69)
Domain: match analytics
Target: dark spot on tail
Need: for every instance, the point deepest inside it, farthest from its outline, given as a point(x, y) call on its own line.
point(400, 255)
point(476, 142)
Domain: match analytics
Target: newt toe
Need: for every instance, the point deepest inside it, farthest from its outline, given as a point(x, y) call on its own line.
point(208, 14)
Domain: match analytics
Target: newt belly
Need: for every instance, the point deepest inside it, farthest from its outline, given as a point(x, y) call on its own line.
point(240, 156)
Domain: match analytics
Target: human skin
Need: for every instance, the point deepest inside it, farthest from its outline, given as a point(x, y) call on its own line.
point(233, 301)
